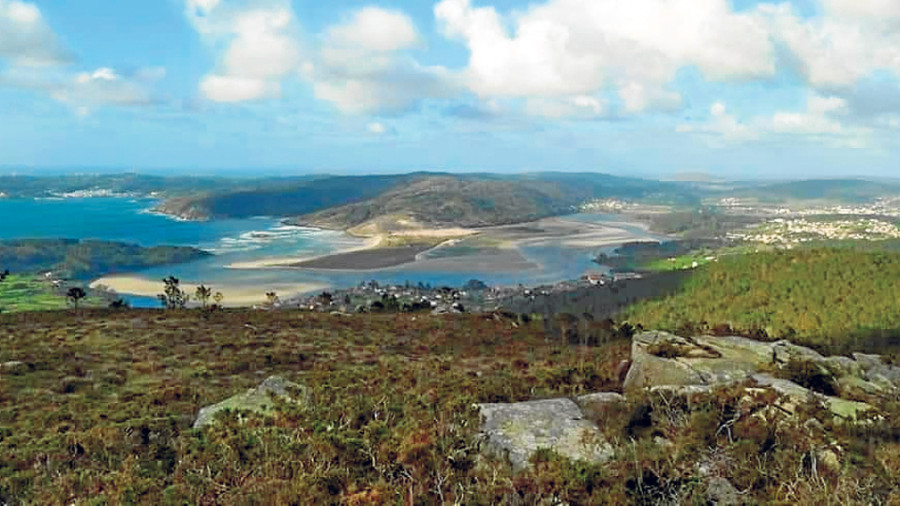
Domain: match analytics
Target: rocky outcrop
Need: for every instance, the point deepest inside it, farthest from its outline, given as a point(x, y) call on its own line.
point(663, 360)
point(516, 431)
point(257, 400)
point(668, 365)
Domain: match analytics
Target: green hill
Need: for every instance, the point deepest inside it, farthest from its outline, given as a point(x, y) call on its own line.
point(77, 259)
point(281, 198)
point(458, 200)
point(485, 200)
point(821, 297)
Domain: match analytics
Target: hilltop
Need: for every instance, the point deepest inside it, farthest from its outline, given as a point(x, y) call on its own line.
point(427, 198)
point(101, 406)
point(848, 191)
point(87, 259)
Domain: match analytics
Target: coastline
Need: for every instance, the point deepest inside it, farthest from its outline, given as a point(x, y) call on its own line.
point(235, 295)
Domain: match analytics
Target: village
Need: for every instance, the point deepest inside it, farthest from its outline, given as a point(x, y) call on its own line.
point(475, 296)
point(786, 232)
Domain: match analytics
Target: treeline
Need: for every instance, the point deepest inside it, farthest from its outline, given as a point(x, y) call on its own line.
point(700, 223)
point(85, 259)
point(821, 297)
point(598, 301)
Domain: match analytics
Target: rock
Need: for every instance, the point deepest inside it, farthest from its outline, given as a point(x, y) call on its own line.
point(721, 492)
point(844, 366)
point(596, 405)
point(648, 369)
point(841, 408)
point(13, 367)
point(877, 371)
point(516, 431)
point(258, 400)
point(855, 384)
point(867, 362)
point(785, 351)
point(660, 358)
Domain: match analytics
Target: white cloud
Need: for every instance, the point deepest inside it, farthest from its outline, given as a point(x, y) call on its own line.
point(25, 37)
point(845, 45)
point(821, 121)
point(721, 125)
point(577, 47)
point(867, 9)
point(376, 30)
point(362, 67)
point(226, 88)
point(105, 86)
point(580, 106)
point(261, 48)
point(378, 128)
point(86, 91)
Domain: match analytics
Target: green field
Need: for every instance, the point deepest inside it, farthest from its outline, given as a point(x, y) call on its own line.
point(29, 293)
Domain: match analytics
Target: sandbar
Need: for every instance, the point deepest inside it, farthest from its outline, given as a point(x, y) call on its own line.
point(235, 295)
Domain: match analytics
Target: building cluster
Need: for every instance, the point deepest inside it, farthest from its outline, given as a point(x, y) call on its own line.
point(783, 231)
point(475, 296)
point(93, 193)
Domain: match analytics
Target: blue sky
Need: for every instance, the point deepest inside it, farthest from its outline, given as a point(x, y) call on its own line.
point(654, 88)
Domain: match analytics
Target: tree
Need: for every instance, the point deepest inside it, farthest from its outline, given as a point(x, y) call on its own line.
point(119, 304)
point(202, 295)
point(3, 277)
point(174, 297)
point(218, 298)
point(75, 294)
point(272, 299)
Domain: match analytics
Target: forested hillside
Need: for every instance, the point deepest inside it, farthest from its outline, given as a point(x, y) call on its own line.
point(485, 200)
point(825, 297)
point(287, 198)
point(75, 259)
point(459, 200)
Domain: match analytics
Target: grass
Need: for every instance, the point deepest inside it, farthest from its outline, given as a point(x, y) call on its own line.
point(699, 258)
point(28, 293)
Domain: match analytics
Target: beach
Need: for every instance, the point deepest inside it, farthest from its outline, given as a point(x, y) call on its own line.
point(234, 295)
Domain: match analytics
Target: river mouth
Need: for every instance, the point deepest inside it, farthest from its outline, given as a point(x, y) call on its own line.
point(545, 251)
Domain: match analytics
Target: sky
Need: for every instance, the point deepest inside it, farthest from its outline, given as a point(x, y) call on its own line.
point(651, 88)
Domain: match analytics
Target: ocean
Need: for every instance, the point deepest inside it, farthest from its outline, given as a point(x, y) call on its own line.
point(243, 240)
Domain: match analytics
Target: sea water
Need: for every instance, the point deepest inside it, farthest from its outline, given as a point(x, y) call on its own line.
point(243, 240)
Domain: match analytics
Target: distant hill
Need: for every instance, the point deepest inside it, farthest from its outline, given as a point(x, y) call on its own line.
point(113, 184)
point(489, 199)
point(282, 198)
point(75, 259)
point(832, 190)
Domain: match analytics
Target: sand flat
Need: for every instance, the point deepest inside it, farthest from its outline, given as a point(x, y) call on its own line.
point(235, 295)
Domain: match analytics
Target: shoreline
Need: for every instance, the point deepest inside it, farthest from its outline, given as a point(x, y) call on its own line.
point(235, 295)
point(289, 262)
point(377, 247)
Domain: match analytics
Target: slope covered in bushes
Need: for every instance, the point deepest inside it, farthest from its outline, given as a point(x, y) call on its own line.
point(823, 297)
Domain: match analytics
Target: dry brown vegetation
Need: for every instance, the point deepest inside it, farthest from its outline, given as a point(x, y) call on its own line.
point(101, 413)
